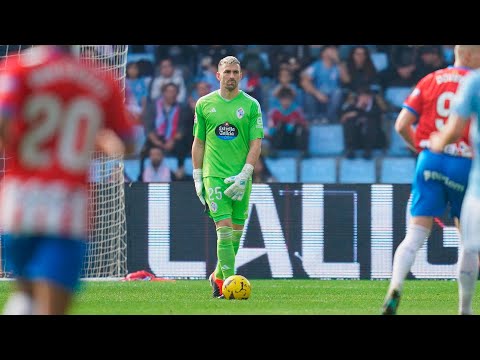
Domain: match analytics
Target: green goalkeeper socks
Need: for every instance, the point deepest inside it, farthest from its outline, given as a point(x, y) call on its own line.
point(237, 234)
point(225, 253)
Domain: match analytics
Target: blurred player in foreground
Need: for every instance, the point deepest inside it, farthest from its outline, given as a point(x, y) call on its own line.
point(53, 113)
point(228, 132)
point(466, 106)
point(440, 178)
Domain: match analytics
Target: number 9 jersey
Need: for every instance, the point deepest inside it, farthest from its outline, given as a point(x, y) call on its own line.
point(430, 101)
point(53, 107)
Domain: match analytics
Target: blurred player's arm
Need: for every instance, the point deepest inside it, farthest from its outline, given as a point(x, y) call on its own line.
point(198, 150)
point(451, 132)
point(10, 91)
point(117, 136)
point(110, 143)
point(403, 126)
point(254, 152)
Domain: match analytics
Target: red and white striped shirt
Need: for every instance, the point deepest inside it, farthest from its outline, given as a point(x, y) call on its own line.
point(54, 107)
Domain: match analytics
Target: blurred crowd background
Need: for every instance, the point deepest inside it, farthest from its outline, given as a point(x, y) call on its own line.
point(328, 110)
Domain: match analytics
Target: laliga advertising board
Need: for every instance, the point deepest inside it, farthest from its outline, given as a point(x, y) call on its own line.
point(294, 230)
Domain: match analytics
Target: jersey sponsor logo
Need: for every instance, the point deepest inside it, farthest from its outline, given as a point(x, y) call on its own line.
point(240, 113)
point(226, 131)
point(436, 176)
point(259, 123)
point(213, 110)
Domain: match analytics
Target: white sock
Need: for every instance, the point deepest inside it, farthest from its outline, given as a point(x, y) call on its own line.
point(18, 303)
point(405, 254)
point(467, 279)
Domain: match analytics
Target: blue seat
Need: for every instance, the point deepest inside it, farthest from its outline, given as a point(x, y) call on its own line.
point(283, 169)
point(318, 170)
point(397, 146)
point(288, 153)
point(188, 166)
point(132, 168)
point(326, 140)
point(398, 170)
point(357, 171)
point(141, 56)
point(396, 95)
point(380, 60)
point(171, 162)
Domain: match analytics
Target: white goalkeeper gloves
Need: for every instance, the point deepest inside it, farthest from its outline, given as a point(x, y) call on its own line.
point(198, 178)
point(237, 189)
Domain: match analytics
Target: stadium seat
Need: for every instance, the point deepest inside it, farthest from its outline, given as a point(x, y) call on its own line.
point(397, 170)
point(140, 56)
point(326, 140)
point(357, 171)
point(288, 153)
point(283, 169)
point(396, 95)
point(188, 166)
point(131, 168)
point(171, 162)
point(397, 146)
point(318, 170)
point(380, 60)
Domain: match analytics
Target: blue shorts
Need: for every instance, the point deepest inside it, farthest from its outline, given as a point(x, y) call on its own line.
point(55, 259)
point(440, 180)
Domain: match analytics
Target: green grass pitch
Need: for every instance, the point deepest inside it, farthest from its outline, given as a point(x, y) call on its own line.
point(269, 297)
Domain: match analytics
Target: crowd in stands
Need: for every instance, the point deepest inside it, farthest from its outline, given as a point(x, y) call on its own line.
point(302, 89)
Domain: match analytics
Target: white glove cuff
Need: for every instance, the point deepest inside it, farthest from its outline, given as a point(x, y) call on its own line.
point(248, 169)
point(197, 174)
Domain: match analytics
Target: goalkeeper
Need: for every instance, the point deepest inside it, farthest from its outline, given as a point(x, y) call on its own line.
point(228, 132)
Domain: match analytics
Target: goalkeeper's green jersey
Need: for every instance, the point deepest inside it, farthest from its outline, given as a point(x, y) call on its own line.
point(227, 127)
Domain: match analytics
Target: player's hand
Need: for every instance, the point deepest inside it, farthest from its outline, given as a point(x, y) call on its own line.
point(198, 179)
point(109, 143)
point(237, 189)
point(436, 142)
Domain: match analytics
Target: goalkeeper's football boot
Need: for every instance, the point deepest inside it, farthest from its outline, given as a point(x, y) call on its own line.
point(391, 303)
point(216, 285)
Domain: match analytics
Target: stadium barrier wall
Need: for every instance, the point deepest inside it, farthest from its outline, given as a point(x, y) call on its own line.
point(331, 231)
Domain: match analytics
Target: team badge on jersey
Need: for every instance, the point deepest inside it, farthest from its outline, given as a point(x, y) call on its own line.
point(240, 113)
point(226, 131)
point(213, 206)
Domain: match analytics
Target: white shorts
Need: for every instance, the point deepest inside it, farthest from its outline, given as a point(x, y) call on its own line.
point(470, 223)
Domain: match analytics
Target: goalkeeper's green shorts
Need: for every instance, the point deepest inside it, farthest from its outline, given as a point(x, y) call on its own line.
point(220, 206)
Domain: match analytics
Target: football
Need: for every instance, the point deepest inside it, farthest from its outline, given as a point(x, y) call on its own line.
point(236, 287)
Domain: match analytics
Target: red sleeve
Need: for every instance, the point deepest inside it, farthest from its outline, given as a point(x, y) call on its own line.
point(10, 91)
point(118, 119)
point(415, 100)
